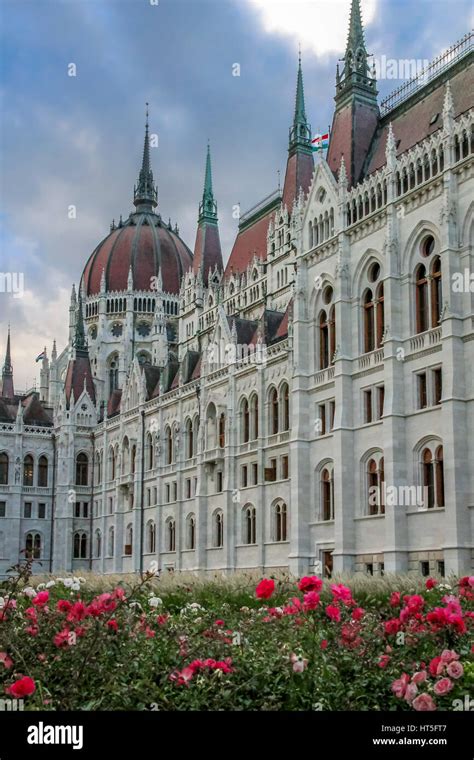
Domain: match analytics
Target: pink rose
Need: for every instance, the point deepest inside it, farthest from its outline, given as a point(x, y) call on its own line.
point(448, 655)
point(310, 583)
point(399, 686)
point(311, 600)
point(333, 612)
point(443, 686)
point(455, 669)
point(411, 692)
point(419, 677)
point(423, 703)
point(41, 598)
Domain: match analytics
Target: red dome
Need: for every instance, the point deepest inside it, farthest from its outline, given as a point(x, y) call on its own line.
point(144, 243)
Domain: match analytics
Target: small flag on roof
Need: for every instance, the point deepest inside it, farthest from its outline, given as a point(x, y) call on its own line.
point(41, 356)
point(320, 142)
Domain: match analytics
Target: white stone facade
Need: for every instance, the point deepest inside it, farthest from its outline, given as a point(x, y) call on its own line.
point(316, 438)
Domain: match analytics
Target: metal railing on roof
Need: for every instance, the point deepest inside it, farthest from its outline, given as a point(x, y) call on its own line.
point(276, 195)
point(453, 54)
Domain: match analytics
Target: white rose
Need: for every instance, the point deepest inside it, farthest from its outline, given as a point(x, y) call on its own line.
point(2, 602)
point(155, 601)
point(29, 591)
point(50, 583)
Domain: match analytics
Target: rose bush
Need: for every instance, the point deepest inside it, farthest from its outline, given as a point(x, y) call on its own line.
point(275, 645)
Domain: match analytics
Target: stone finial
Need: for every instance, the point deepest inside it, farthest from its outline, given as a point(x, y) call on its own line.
point(391, 149)
point(448, 108)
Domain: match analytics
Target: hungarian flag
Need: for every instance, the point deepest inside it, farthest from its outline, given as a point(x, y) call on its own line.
point(320, 142)
point(41, 356)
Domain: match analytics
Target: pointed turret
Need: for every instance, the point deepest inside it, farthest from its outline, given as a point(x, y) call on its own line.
point(356, 115)
point(207, 249)
point(300, 132)
point(145, 193)
point(300, 165)
point(79, 372)
point(7, 372)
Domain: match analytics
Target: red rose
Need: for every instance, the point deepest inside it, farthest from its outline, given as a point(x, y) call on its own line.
point(41, 598)
point(265, 589)
point(311, 600)
point(22, 688)
point(310, 583)
point(431, 583)
point(333, 612)
point(395, 599)
point(358, 613)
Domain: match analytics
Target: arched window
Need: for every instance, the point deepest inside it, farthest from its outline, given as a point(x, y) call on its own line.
point(323, 341)
point(3, 469)
point(369, 333)
point(380, 315)
point(327, 494)
point(98, 468)
point(421, 282)
point(375, 486)
point(98, 544)
point(189, 439)
point(113, 375)
point(33, 546)
point(218, 530)
point(222, 430)
point(273, 403)
point(254, 417)
point(150, 451)
point(428, 478)
point(190, 532)
point(279, 522)
point(285, 402)
point(439, 476)
point(28, 470)
point(245, 421)
point(43, 472)
point(79, 545)
point(128, 549)
point(82, 469)
point(111, 541)
point(249, 532)
point(168, 445)
point(151, 537)
point(112, 463)
point(171, 535)
point(436, 292)
point(133, 459)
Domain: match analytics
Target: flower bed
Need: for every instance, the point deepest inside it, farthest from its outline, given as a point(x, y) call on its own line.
point(279, 645)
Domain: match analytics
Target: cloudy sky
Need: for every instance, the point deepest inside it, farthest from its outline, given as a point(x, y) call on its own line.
point(77, 140)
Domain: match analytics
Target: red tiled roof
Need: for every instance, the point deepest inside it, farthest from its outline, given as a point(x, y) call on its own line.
point(79, 368)
point(412, 124)
point(207, 249)
point(250, 242)
point(146, 245)
point(352, 132)
point(299, 172)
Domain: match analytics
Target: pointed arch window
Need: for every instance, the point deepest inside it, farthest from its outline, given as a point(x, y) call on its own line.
point(3, 469)
point(421, 283)
point(168, 445)
point(380, 315)
point(111, 541)
point(245, 421)
point(33, 546)
point(82, 469)
point(436, 292)
point(375, 486)
point(222, 430)
point(218, 542)
point(98, 544)
point(280, 522)
point(323, 341)
point(150, 451)
point(250, 525)
point(285, 400)
point(369, 333)
point(428, 478)
point(80, 545)
point(190, 532)
point(151, 537)
point(254, 417)
point(273, 399)
point(189, 439)
point(28, 470)
point(43, 472)
point(171, 536)
point(327, 495)
point(128, 548)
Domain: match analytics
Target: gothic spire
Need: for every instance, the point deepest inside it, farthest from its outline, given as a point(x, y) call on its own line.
point(7, 373)
point(300, 132)
point(145, 193)
point(80, 338)
point(208, 205)
point(356, 75)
